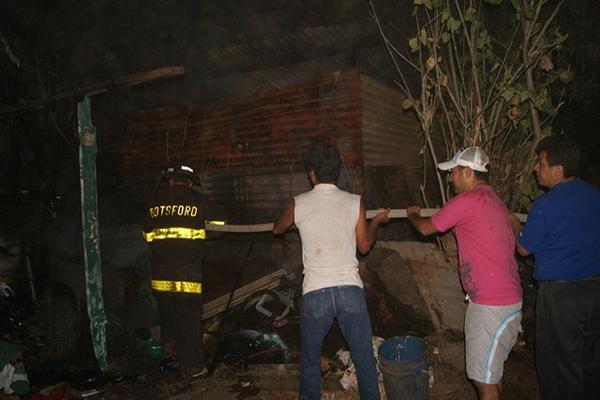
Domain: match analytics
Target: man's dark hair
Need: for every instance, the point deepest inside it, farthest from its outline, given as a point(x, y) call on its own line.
point(561, 150)
point(324, 160)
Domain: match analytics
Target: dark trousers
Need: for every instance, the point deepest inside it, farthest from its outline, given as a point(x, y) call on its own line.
point(181, 327)
point(567, 334)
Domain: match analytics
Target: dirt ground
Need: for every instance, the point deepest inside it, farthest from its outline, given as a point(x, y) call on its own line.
point(247, 371)
point(280, 381)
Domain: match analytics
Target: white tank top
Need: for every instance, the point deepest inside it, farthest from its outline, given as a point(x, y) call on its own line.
point(326, 218)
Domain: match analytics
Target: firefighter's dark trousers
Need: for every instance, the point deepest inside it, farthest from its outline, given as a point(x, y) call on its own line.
point(181, 327)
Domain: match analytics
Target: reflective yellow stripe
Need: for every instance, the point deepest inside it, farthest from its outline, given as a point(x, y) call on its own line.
point(174, 233)
point(177, 286)
point(216, 222)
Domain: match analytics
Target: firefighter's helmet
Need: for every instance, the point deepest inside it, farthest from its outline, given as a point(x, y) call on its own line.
point(179, 171)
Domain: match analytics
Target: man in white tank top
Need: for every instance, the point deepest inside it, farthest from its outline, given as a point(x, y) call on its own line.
point(332, 225)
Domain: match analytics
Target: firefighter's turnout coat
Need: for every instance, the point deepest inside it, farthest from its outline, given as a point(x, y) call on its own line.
point(175, 229)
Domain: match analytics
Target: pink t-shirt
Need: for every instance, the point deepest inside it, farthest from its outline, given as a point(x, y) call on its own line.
point(486, 245)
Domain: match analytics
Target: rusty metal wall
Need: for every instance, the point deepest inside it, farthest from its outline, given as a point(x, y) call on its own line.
point(248, 152)
point(391, 150)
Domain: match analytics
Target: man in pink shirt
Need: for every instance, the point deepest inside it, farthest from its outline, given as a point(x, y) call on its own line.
point(487, 266)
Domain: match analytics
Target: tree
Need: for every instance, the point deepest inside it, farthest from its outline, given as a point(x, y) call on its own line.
point(484, 85)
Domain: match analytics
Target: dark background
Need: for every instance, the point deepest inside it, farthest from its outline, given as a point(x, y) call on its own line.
point(225, 46)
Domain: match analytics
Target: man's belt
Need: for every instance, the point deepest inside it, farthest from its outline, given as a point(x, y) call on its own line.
point(177, 286)
point(174, 233)
point(589, 278)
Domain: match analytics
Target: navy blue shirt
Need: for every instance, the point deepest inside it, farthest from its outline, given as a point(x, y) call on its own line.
point(563, 232)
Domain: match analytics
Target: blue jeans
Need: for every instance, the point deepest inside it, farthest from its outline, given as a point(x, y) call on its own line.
point(348, 305)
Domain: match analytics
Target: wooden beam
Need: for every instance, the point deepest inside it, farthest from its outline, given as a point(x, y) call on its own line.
point(134, 79)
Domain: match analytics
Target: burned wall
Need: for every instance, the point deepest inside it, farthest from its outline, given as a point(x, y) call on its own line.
point(248, 153)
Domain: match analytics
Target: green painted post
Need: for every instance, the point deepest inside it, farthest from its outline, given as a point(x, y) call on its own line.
point(88, 151)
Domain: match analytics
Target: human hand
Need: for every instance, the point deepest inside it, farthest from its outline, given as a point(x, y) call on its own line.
point(413, 210)
point(515, 223)
point(383, 216)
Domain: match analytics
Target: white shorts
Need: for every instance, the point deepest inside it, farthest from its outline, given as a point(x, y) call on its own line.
point(490, 334)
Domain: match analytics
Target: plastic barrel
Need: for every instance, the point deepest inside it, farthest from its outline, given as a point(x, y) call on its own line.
point(403, 364)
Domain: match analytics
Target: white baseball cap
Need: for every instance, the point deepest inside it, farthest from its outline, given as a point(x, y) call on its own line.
point(472, 157)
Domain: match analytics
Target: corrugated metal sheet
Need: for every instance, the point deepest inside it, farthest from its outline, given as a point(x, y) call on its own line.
point(258, 81)
point(247, 69)
point(249, 152)
point(391, 147)
point(291, 44)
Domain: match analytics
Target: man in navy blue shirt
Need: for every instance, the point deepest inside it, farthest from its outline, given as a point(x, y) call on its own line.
point(563, 234)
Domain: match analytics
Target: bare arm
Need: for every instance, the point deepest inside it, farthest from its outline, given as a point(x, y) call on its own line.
point(286, 220)
point(423, 225)
point(516, 225)
point(367, 233)
point(522, 250)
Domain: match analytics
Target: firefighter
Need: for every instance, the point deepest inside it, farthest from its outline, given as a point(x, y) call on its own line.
point(174, 227)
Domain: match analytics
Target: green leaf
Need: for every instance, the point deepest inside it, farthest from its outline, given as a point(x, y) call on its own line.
point(444, 15)
point(524, 95)
point(548, 107)
point(482, 40)
point(507, 95)
point(418, 2)
point(437, 3)
point(453, 24)
point(427, 3)
point(543, 102)
point(413, 43)
point(470, 14)
point(446, 37)
point(525, 124)
point(493, 1)
point(423, 37)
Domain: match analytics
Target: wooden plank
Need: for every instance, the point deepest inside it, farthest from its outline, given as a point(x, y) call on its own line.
point(135, 79)
point(97, 88)
point(218, 305)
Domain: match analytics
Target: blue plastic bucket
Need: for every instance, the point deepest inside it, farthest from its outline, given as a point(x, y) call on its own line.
point(403, 364)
